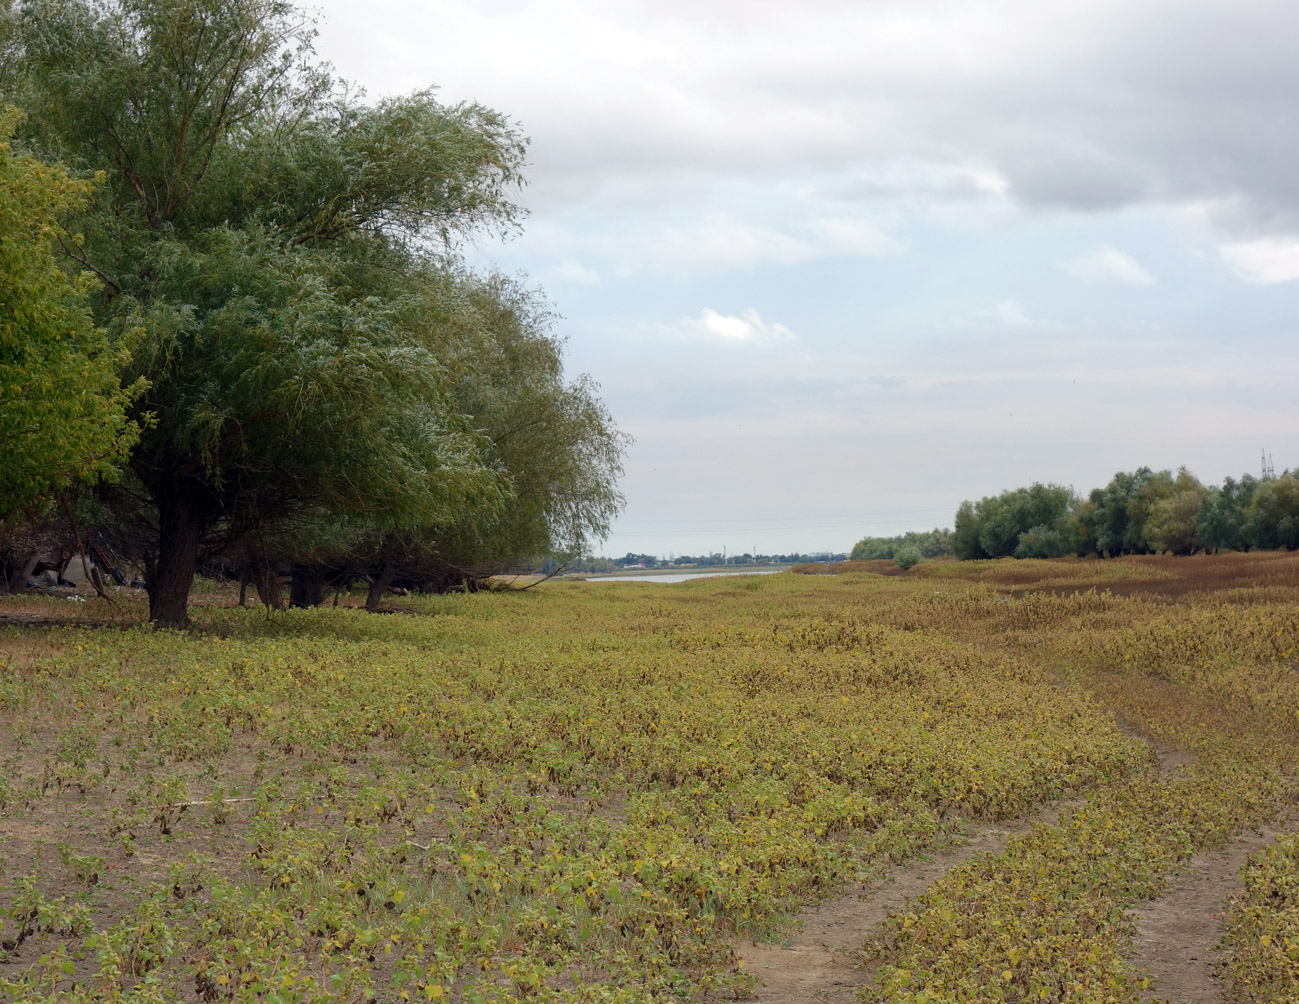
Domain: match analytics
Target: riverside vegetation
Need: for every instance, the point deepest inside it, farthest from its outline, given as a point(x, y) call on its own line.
point(593, 794)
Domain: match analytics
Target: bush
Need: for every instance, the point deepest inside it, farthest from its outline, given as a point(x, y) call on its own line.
point(1041, 542)
point(907, 557)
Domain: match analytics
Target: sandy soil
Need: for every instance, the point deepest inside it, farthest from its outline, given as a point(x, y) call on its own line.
point(1177, 940)
point(814, 965)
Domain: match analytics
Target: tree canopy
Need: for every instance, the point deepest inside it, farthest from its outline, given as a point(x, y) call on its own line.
point(314, 362)
point(933, 543)
point(62, 408)
point(1137, 512)
point(1025, 522)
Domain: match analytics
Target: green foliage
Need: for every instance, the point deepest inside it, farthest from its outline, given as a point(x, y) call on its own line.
point(933, 543)
point(505, 790)
point(907, 556)
point(1262, 929)
point(61, 405)
point(1272, 519)
point(552, 441)
point(1138, 512)
point(592, 798)
point(1141, 512)
point(1004, 916)
point(328, 381)
point(264, 370)
point(965, 533)
point(1220, 523)
point(1041, 541)
point(1173, 523)
point(994, 526)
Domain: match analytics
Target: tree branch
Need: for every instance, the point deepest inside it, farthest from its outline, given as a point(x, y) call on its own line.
point(85, 263)
point(85, 562)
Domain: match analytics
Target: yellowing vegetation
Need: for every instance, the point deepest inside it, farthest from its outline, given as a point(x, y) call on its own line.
point(592, 792)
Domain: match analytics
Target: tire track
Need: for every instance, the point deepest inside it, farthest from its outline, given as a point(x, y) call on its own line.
point(814, 967)
point(1178, 933)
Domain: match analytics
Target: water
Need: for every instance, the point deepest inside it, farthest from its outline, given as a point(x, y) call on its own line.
point(683, 576)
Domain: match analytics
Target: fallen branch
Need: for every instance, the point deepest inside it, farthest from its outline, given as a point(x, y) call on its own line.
point(91, 573)
point(222, 801)
point(524, 589)
point(210, 801)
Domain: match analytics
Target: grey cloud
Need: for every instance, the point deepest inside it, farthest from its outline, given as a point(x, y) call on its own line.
point(1102, 107)
point(1088, 105)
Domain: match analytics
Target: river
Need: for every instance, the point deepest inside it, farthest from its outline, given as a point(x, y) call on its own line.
point(682, 576)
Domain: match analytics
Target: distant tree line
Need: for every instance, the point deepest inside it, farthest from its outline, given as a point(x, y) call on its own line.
point(1138, 512)
point(235, 331)
point(631, 560)
point(919, 544)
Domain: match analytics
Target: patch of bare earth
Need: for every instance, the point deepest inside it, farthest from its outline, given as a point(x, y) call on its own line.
point(1178, 933)
point(1170, 757)
point(814, 966)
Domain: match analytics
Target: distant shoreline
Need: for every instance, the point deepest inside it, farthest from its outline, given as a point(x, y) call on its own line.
point(680, 570)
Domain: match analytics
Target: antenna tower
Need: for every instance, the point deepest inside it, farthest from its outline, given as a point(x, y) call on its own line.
point(1268, 470)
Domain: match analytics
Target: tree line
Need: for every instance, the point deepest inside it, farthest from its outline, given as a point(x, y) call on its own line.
point(1138, 512)
point(235, 326)
point(907, 549)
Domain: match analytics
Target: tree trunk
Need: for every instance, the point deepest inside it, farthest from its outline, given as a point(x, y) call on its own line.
point(21, 571)
point(269, 590)
point(378, 586)
point(309, 586)
point(180, 528)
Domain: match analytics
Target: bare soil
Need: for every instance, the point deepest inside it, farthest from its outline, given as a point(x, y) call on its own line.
point(814, 965)
point(1177, 940)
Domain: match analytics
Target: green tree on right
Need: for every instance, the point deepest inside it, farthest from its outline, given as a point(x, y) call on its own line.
point(1137, 512)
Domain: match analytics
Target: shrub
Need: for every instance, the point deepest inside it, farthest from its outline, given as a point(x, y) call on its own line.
point(907, 557)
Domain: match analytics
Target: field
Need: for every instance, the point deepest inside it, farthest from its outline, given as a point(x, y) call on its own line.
point(604, 793)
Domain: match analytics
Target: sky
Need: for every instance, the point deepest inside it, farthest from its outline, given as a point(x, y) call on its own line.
point(838, 266)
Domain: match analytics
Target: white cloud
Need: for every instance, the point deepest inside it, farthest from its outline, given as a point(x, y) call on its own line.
point(747, 327)
point(1006, 314)
point(849, 236)
point(686, 244)
point(1108, 265)
point(722, 242)
point(1264, 262)
point(571, 271)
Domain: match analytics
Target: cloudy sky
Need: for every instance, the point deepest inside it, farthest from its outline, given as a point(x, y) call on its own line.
point(839, 266)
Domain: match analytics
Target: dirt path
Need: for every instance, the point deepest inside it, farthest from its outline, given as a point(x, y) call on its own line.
point(1177, 934)
point(814, 966)
point(1177, 939)
point(1170, 757)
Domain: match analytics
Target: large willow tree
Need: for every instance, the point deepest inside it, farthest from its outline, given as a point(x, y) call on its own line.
point(267, 240)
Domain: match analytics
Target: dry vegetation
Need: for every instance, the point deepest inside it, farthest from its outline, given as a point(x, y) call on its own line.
point(587, 793)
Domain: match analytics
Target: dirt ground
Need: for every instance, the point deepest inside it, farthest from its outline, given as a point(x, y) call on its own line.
point(1177, 939)
point(1178, 933)
point(815, 966)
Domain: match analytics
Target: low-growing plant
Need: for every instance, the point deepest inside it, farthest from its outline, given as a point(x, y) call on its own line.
point(594, 793)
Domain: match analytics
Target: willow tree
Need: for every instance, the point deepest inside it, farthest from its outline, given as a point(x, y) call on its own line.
point(263, 233)
point(549, 440)
point(552, 438)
